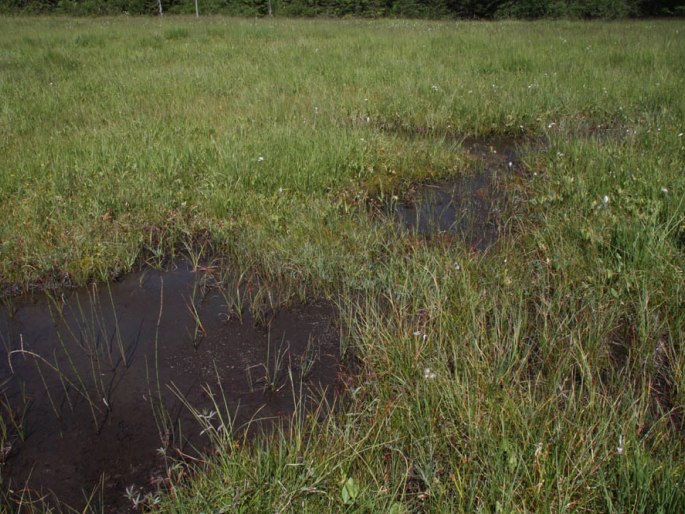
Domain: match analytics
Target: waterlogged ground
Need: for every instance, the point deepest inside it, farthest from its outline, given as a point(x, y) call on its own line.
point(545, 374)
point(469, 206)
point(102, 383)
point(108, 384)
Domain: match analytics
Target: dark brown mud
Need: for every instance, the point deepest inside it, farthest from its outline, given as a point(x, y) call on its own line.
point(95, 386)
point(467, 207)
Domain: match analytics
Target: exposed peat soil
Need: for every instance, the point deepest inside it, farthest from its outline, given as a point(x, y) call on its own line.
point(95, 386)
point(467, 207)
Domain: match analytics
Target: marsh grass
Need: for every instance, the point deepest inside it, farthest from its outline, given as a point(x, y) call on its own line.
point(543, 375)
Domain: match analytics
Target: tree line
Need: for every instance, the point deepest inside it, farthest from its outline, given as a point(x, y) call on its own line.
point(439, 9)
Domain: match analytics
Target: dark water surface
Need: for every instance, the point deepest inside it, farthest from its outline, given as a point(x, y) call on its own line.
point(94, 385)
point(469, 206)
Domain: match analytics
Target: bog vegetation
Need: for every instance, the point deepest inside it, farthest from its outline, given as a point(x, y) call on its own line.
point(546, 373)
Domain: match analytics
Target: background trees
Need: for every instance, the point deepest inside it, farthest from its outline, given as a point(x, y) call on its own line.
point(365, 8)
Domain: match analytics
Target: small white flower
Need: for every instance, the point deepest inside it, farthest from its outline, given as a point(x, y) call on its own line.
point(511, 164)
point(664, 190)
point(207, 416)
point(130, 490)
point(133, 495)
point(551, 125)
point(368, 119)
point(457, 267)
point(680, 134)
point(434, 87)
point(260, 158)
point(619, 449)
point(280, 190)
point(538, 449)
point(605, 199)
point(428, 374)
point(316, 110)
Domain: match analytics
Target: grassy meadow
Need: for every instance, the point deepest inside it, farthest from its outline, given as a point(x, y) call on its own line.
point(546, 374)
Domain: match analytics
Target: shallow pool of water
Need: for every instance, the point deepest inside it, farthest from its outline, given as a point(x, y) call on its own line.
point(96, 384)
point(467, 207)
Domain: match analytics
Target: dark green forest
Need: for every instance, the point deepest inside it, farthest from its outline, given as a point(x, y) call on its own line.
point(438, 9)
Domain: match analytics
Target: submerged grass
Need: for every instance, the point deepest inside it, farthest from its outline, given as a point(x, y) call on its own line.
point(547, 374)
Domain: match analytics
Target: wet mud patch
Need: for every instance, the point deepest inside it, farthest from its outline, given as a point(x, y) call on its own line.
point(467, 207)
point(99, 388)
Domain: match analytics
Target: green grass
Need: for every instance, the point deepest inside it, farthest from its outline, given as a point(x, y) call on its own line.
point(122, 140)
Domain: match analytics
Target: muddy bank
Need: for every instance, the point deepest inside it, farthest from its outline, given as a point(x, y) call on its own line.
point(96, 385)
